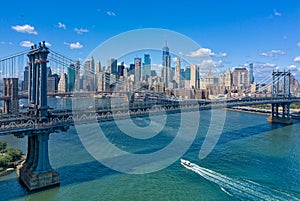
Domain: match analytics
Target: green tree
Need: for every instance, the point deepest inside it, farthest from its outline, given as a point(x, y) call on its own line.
point(5, 161)
point(15, 154)
point(3, 146)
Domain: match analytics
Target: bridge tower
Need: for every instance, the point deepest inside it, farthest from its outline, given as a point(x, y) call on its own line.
point(11, 105)
point(281, 90)
point(36, 171)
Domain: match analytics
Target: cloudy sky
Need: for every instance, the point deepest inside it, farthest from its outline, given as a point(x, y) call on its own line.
point(232, 33)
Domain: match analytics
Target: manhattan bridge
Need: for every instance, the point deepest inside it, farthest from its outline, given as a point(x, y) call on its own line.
point(38, 120)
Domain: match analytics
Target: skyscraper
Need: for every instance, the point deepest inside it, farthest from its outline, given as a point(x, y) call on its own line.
point(71, 77)
point(240, 78)
point(146, 72)
point(228, 79)
point(166, 66)
point(62, 84)
point(112, 64)
point(77, 76)
point(194, 83)
point(251, 76)
point(177, 72)
point(137, 66)
point(25, 82)
point(120, 69)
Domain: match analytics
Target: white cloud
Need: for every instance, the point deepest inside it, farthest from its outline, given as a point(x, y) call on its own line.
point(26, 43)
point(210, 64)
point(205, 52)
point(6, 43)
point(268, 65)
point(110, 13)
point(272, 53)
point(76, 45)
point(25, 29)
point(61, 25)
point(298, 44)
point(81, 30)
point(292, 67)
point(276, 13)
point(48, 44)
point(297, 59)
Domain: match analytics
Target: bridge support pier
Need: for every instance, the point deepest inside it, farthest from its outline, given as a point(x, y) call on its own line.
point(284, 117)
point(36, 172)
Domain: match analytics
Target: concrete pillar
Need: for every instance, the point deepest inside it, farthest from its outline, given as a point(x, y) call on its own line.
point(36, 172)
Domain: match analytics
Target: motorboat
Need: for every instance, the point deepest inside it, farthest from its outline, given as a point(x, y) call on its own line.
point(186, 163)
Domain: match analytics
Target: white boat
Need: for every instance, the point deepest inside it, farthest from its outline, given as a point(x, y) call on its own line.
point(186, 163)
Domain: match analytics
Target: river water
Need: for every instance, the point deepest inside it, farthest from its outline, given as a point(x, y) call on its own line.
point(252, 160)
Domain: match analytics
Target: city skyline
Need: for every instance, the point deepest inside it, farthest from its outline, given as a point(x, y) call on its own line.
point(233, 33)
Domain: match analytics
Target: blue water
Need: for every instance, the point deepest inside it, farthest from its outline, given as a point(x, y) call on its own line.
point(251, 153)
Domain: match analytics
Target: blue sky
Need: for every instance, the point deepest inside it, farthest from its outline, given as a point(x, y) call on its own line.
point(233, 33)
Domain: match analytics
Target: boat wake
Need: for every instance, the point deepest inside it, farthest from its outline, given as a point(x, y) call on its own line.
point(241, 189)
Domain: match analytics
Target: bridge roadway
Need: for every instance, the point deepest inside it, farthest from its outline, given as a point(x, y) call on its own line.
point(79, 93)
point(59, 120)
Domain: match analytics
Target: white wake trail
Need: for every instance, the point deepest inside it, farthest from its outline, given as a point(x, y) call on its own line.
point(241, 189)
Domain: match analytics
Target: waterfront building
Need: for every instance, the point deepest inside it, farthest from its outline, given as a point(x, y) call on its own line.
point(113, 66)
point(240, 78)
point(120, 71)
point(62, 84)
point(146, 70)
point(71, 77)
point(251, 76)
point(209, 81)
point(222, 80)
point(25, 81)
point(177, 73)
point(137, 71)
point(166, 66)
point(194, 75)
point(228, 78)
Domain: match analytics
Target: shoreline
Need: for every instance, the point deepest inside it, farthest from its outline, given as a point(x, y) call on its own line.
point(12, 169)
point(250, 110)
point(260, 111)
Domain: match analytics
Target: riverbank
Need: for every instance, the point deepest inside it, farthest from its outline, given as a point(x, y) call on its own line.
point(14, 166)
point(251, 110)
point(261, 111)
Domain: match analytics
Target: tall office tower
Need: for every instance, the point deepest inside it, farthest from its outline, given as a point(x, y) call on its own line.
point(177, 72)
point(71, 77)
point(228, 78)
point(166, 66)
point(25, 82)
point(194, 83)
point(222, 80)
point(106, 81)
point(89, 65)
point(98, 67)
point(240, 78)
point(113, 66)
point(146, 67)
point(49, 72)
point(137, 73)
point(77, 75)
point(100, 86)
point(131, 69)
point(89, 78)
point(251, 76)
point(62, 84)
point(187, 77)
point(120, 69)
